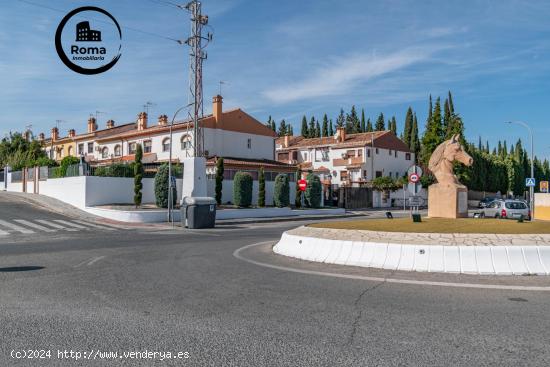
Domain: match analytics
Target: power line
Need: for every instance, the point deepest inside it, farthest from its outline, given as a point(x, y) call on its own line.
point(102, 21)
point(166, 3)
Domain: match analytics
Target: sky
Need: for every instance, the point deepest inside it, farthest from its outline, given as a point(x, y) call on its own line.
point(287, 59)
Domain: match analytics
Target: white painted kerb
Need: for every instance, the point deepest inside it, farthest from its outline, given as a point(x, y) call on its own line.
point(499, 260)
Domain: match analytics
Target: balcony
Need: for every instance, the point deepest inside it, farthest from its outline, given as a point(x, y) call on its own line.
point(347, 161)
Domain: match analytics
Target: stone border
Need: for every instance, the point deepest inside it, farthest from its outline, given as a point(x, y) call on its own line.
point(428, 254)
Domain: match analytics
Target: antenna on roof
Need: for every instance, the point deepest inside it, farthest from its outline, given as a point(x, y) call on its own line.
point(148, 105)
point(222, 82)
point(97, 113)
point(59, 122)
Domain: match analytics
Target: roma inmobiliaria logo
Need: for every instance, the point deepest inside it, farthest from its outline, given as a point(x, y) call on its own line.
point(88, 40)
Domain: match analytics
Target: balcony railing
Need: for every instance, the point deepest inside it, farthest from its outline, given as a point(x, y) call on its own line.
point(347, 161)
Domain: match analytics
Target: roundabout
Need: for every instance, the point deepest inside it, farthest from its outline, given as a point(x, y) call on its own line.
point(463, 246)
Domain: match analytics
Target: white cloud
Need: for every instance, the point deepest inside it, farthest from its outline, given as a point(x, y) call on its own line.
point(342, 75)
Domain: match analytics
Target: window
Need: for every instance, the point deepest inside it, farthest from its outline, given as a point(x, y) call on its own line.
point(70, 151)
point(147, 146)
point(378, 173)
point(105, 152)
point(185, 142)
point(282, 157)
point(132, 148)
point(376, 150)
point(305, 157)
point(360, 152)
point(166, 145)
point(343, 175)
point(350, 153)
point(90, 148)
point(365, 174)
point(368, 153)
point(118, 151)
point(390, 175)
point(249, 143)
point(80, 149)
point(390, 151)
point(294, 155)
point(408, 156)
point(395, 152)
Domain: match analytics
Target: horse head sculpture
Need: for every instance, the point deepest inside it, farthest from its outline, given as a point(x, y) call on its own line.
point(441, 161)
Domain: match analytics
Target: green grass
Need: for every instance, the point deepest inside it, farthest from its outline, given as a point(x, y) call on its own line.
point(441, 225)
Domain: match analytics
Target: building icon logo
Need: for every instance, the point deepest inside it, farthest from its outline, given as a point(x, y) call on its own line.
point(85, 34)
point(88, 51)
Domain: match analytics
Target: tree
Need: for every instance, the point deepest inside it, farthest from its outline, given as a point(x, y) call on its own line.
point(384, 183)
point(161, 187)
point(341, 119)
point(393, 125)
point(325, 131)
point(242, 189)
point(380, 124)
point(317, 129)
point(353, 125)
point(433, 135)
point(414, 146)
point(290, 130)
point(407, 131)
point(268, 124)
point(261, 190)
point(313, 191)
point(283, 130)
point(446, 117)
point(219, 180)
point(298, 198)
point(138, 176)
point(363, 122)
point(281, 191)
point(312, 133)
point(369, 126)
point(305, 130)
point(18, 152)
point(330, 129)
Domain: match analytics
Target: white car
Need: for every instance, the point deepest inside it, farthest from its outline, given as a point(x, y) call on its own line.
point(512, 209)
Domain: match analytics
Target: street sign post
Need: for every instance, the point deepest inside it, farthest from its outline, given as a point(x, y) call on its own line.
point(415, 201)
point(530, 182)
point(414, 174)
point(302, 185)
point(414, 177)
point(544, 186)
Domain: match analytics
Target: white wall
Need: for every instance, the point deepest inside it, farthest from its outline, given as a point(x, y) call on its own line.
point(71, 190)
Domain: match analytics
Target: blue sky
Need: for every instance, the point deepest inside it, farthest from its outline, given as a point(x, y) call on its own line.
point(290, 58)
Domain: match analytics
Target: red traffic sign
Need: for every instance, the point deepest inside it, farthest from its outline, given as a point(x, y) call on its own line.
point(414, 177)
point(302, 184)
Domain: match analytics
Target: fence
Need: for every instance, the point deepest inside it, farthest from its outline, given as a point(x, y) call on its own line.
point(1, 175)
point(355, 197)
point(17, 176)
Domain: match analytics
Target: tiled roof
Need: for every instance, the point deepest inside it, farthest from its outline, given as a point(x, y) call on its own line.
point(382, 139)
point(231, 162)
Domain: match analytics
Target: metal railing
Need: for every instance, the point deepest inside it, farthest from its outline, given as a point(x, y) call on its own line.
point(17, 176)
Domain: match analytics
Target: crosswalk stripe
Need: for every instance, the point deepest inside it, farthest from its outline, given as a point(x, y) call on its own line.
point(15, 227)
point(34, 225)
point(93, 225)
point(67, 223)
point(3, 233)
point(55, 225)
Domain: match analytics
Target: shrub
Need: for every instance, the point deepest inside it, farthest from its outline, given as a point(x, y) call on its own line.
point(261, 188)
point(219, 180)
point(281, 191)
point(138, 176)
point(242, 189)
point(161, 188)
point(44, 162)
point(313, 190)
point(384, 183)
point(65, 164)
point(298, 198)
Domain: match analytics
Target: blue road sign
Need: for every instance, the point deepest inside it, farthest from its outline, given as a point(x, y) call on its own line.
point(530, 182)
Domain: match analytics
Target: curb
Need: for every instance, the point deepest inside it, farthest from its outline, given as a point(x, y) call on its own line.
point(285, 219)
point(485, 260)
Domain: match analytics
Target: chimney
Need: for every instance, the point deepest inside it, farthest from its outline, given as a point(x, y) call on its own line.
point(340, 134)
point(286, 141)
point(55, 134)
point(72, 133)
point(41, 137)
point(110, 124)
point(92, 126)
point(217, 108)
point(142, 121)
point(163, 120)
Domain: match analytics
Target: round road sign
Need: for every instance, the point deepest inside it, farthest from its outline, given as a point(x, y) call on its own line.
point(302, 184)
point(414, 177)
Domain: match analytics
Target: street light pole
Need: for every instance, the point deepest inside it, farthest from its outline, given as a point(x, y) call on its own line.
point(531, 188)
point(170, 187)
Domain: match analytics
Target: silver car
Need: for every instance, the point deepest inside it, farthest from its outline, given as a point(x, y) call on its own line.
point(512, 209)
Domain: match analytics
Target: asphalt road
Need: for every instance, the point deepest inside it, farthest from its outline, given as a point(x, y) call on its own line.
point(183, 291)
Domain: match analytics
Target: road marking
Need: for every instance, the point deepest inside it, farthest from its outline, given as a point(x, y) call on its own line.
point(237, 254)
point(94, 225)
point(89, 262)
point(3, 233)
point(55, 225)
point(67, 223)
point(34, 225)
point(15, 227)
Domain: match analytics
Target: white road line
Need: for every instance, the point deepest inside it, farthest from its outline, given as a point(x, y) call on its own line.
point(15, 227)
point(94, 260)
point(55, 225)
point(237, 254)
point(67, 223)
point(34, 225)
point(94, 225)
point(3, 233)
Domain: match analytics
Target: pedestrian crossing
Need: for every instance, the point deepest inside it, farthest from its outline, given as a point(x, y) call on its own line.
point(32, 226)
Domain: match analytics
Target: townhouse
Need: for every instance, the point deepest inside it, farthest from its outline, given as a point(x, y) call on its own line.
point(347, 159)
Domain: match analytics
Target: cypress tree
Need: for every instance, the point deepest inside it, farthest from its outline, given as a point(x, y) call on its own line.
point(325, 131)
point(354, 123)
point(407, 131)
point(432, 134)
point(219, 180)
point(261, 188)
point(340, 121)
point(362, 127)
point(290, 130)
point(438, 125)
point(380, 125)
point(504, 150)
point(415, 140)
point(330, 129)
point(317, 129)
point(369, 126)
point(499, 150)
point(305, 130)
point(487, 146)
point(393, 126)
point(282, 128)
point(138, 176)
point(479, 145)
point(268, 124)
point(311, 129)
point(451, 106)
point(447, 119)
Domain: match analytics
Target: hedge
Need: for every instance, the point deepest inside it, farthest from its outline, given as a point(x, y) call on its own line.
point(161, 188)
point(242, 189)
point(281, 192)
point(313, 190)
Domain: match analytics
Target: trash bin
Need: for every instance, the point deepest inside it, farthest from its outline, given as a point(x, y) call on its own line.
point(198, 212)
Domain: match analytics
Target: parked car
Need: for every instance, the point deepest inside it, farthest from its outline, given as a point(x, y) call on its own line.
point(485, 201)
point(512, 209)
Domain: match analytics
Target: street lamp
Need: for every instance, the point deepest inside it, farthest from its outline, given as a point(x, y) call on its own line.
point(531, 188)
point(170, 187)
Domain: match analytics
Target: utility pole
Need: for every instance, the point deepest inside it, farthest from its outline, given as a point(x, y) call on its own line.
point(196, 57)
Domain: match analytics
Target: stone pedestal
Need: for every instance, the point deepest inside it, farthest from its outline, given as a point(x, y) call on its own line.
point(194, 177)
point(447, 201)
